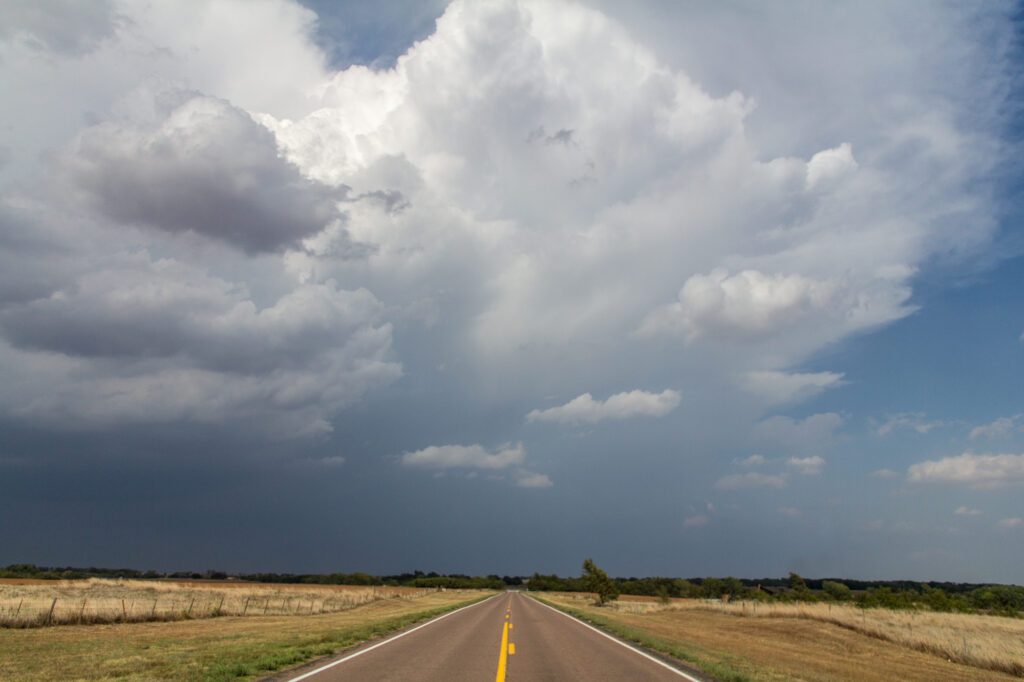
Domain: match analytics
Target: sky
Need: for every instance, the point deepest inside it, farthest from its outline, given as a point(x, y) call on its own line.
point(498, 285)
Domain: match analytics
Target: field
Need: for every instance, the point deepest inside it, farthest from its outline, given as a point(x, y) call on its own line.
point(33, 603)
point(200, 647)
point(742, 641)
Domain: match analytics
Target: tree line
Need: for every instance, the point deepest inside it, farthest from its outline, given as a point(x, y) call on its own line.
point(892, 594)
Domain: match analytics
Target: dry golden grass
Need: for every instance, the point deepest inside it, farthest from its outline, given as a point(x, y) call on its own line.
point(208, 649)
point(985, 643)
point(25, 603)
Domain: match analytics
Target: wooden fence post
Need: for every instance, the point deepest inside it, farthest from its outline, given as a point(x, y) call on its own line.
point(189, 613)
point(49, 616)
point(246, 607)
point(152, 614)
point(124, 611)
point(82, 612)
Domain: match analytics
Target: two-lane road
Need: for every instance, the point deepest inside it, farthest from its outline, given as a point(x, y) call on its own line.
point(507, 637)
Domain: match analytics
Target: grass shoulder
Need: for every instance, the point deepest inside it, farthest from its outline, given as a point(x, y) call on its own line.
point(208, 650)
point(721, 665)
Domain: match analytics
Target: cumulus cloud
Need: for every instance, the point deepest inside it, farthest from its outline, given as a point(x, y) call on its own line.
point(751, 479)
point(63, 26)
point(814, 432)
point(748, 304)
point(966, 511)
point(1013, 522)
point(777, 387)
point(809, 466)
point(907, 420)
point(829, 166)
point(696, 521)
point(189, 346)
point(1000, 428)
point(752, 461)
point(529, 479)
point(208, 168)
point(619, 406)
point(566, 204)
point(468, 456)
point(977, 471)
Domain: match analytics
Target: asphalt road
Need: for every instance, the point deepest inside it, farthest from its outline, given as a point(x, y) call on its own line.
point(508, 637)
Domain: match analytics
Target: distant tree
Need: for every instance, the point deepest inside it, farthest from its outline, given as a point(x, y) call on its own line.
point(599, 583)
point(800, 589)
point(837, 591)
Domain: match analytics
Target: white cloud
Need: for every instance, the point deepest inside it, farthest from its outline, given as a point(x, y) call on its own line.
point(809, 466)
point(752, 461)
point(465, 456)
point(909, 420)
point(1014, 522)
point(1000, 428)
point(781, 387)
point(967, 511)
point(816, 432)
point(751, 479)
point(748, 304)
point(619, 406)
point(529, 479)
point(977, 471)
point(829, 167)
point(538, 179)
point(790, 512)
point(696, 521)
point(885, 473)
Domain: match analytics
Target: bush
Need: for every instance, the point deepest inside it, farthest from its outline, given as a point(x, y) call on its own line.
point(837, 591)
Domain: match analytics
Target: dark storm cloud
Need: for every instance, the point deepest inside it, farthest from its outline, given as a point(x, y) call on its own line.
point(165, 309)
point(208, 168)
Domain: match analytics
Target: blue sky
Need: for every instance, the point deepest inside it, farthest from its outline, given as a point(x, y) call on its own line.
point(492, 287)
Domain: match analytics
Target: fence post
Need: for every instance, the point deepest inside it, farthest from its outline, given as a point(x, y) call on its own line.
point(19, 607)
point(189, 613)
point(49, 616)
point(246, 607)
point(124, 611)
point(265, 606)
point(82, 612)
point(152, 614)
point(220, 605)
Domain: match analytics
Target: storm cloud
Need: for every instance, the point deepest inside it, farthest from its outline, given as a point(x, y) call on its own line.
point(620, 265)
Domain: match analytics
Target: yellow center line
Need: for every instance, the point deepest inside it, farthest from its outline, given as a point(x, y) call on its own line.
point(504, 653)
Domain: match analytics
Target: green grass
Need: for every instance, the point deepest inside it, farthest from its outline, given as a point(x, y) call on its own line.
point(274, 656)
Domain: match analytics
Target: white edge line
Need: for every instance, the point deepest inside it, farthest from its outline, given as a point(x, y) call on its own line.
point(663, 664)
point(387, 641)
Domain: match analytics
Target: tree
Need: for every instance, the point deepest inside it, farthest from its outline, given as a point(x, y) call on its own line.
point(836, 590)
point(599, 583)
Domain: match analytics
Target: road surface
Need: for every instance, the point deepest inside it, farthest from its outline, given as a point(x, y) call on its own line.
point(508, 637)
